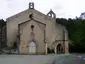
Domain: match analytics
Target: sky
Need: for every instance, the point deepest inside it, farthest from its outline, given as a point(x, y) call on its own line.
point(62, 8)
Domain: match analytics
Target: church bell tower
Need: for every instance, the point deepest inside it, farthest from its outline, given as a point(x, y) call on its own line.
point(31, 5)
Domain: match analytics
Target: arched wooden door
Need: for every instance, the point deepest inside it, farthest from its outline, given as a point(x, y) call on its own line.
point(32, 47)
point(59, 49)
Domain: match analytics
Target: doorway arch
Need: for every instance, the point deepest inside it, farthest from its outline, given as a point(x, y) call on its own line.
point(32, 47)
point(59, 49)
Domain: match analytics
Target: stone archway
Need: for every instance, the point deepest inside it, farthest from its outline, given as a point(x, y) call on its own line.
point(32, 47)
point(59, 49)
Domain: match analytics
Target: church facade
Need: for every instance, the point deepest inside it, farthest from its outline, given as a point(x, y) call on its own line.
point(36, 32)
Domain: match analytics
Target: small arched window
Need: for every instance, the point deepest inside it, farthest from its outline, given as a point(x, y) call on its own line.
point(32, 27)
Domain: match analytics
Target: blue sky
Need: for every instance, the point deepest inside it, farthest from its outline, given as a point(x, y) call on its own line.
point(62, 8)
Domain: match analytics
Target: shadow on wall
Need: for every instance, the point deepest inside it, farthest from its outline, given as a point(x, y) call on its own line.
point(50, 51)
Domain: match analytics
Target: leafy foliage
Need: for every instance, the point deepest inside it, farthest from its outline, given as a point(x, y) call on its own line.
point(76, 30)
point(2, 24)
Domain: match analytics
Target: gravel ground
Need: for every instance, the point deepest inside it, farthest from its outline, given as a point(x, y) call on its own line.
point(41, 59)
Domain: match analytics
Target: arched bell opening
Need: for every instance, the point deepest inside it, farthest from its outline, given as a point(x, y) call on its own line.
point(51, 14)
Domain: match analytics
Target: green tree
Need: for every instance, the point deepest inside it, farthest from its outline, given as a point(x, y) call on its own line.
point(76, 30)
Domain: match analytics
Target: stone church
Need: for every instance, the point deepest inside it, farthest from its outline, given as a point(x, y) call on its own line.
point(36, 32)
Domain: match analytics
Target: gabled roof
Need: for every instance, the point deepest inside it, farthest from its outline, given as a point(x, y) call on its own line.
point(22, 12)
point(25, 12)
point(32, 9)
point(33, 20)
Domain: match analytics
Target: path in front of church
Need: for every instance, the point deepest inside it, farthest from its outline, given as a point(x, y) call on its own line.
point(42, 59)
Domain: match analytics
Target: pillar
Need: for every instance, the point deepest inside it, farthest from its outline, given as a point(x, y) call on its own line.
point(55, 50)
point(66, 43)
point(46, 48)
